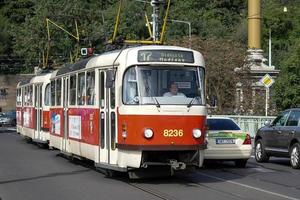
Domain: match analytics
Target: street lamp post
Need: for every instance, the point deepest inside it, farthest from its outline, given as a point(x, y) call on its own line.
point(270, 48)
point(190, 28)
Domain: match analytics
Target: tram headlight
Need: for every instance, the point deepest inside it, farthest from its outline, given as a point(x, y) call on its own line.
point(124, 134)
point(197, 133)
point(124, 130)
point(148, 133)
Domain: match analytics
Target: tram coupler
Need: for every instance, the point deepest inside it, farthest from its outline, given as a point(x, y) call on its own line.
point(175, 165)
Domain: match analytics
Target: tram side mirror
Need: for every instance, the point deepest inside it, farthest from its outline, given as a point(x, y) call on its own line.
point(110, 78)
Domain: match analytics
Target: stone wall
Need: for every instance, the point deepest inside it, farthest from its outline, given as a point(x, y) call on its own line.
point(8, 84)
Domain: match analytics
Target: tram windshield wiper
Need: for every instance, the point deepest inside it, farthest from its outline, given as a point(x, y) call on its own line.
point(191, 102)
point(156, 101)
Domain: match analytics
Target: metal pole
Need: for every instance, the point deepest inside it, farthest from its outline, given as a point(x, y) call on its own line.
point(190, 28)
point(267, 100)
point(190, 35)
point(270, 48)
point(154, 4)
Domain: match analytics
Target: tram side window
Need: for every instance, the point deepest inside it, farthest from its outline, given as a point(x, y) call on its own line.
point(30, 95)
point(73, 90)
point(58, 92)
point(130, 89)
point(25, 96)
point(81, 89)
point(22, 96)
point(36, 95)
point(47, 95)
point(102, 90)
point(90, 88)
point(41, 96)
point(113, 130)
point(19, 100)
point(52, 93)
point(112, 97)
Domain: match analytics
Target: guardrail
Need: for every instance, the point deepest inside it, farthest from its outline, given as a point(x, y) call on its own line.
point(249, 124)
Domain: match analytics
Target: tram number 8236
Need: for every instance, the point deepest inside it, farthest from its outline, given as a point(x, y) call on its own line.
point(173, 133)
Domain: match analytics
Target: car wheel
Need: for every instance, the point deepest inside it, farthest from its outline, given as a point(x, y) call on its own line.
point(294, 155)
point(241, 163)
point(260, 152)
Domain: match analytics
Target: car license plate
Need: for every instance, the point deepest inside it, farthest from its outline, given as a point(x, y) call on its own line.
point(225, 141)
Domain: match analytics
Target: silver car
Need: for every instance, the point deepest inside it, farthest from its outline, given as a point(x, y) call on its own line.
point(8, 118)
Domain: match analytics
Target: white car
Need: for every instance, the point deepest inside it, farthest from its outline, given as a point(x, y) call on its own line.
point(226, 141)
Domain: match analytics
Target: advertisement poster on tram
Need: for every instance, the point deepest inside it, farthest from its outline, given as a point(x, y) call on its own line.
point(75, 127)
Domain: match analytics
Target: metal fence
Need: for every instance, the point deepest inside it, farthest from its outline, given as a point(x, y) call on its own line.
point(249, 124)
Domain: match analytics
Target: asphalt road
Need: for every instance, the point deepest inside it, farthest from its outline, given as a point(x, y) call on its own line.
point(29, 172)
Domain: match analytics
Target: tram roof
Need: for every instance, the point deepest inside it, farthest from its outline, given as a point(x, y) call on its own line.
point(24, 82)
point(73, 67)
point(41, 78)
point(38, 78)
point(108, 58)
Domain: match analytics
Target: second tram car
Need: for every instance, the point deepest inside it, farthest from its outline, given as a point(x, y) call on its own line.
point(132, 108)
point(33, 104)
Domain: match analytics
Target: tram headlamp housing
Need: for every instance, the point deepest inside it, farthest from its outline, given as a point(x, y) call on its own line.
point(148, 133)
point(197, 133)
point(124, 130)
point(124, 134)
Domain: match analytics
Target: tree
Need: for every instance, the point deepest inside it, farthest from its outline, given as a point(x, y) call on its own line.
point(287, 86)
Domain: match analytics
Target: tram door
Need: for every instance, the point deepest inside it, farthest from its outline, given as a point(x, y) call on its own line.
point(65, 113)
point(38, 111)
point(108, 134)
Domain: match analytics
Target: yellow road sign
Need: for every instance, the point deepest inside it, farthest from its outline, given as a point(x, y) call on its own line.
point(267, 80)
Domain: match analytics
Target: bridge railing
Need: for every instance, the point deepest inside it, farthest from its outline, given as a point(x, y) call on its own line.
point(249, 124)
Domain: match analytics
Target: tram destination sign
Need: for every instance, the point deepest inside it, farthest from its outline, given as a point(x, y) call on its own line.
point(165, 56)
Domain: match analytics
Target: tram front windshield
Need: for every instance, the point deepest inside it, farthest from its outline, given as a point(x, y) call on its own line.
point(163, 85)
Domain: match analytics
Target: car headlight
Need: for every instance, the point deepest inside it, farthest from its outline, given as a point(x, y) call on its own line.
point(197, 133)
point(148, 133)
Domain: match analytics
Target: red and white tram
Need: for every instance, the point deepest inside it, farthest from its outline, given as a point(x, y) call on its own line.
point(116, 108)
point(33, 104)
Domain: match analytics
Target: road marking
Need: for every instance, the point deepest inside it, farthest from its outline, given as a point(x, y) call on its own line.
point(252, 156)
point(248, 186)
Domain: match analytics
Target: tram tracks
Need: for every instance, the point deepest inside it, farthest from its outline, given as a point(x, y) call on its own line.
point(224, 187)
point(230, 195)
point(186, 181)
point(238, 184)
point(153, 192)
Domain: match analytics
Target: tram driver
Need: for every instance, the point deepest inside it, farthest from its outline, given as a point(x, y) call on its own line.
point(173, 91)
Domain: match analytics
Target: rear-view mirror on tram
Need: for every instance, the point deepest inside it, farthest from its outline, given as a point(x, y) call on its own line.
point(110, 78)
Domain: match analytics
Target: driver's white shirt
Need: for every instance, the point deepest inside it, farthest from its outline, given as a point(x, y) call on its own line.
point(169, 94)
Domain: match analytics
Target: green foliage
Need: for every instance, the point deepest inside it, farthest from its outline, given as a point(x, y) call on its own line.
point(217, 18)
point(287, 86)
point(4, 35)
point(282, 25)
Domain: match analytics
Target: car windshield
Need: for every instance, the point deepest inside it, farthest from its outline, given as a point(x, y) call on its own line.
point(164, 85)
point(222, 124)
